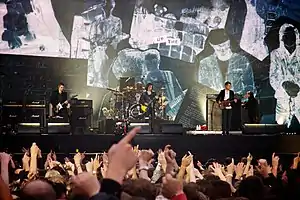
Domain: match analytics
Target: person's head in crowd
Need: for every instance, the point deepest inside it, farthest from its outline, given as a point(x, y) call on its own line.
point(219, 189)
point(140, 188)
point(252, 188)
point(220, 42)
point(227, 85)
point(192, 191)
point(38, 190)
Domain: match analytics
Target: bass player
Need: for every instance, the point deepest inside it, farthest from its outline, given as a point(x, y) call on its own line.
point(225, 100)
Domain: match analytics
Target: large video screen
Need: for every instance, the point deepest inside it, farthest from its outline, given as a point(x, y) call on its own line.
point(173, 44)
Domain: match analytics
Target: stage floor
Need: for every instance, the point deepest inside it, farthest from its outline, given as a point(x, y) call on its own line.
point(204, 146)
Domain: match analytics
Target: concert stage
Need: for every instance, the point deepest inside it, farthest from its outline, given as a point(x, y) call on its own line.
point(204, 146)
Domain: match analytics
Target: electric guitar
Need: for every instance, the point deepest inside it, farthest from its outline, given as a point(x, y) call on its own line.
point(225, 103)
point(144, 107)
point(60, 106)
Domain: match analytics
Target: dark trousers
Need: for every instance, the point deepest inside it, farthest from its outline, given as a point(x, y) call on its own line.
point(226, 120)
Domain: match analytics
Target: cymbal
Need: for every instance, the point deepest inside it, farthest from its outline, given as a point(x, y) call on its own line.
point(112, 90)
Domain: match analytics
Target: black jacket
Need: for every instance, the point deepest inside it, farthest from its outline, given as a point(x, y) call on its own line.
point(58, 98)
point(221, 96)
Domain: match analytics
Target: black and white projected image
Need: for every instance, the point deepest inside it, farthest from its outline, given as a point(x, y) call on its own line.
point(260, 17)
point(285, 75)
point(29, 27)
point(145, 67)
point(96, 34)
point(225, 65)
point(177, 33)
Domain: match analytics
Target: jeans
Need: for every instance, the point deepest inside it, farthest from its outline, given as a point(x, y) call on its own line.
point(226, 120)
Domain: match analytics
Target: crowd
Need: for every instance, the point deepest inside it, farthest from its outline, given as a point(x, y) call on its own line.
point(130, 173)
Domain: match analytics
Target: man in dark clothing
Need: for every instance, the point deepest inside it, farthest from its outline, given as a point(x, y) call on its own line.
point(59, 104)
point(252, 106)
point(225, 97)
point(147, 100)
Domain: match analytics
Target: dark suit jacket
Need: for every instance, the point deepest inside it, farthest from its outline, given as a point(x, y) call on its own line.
point(221, 96)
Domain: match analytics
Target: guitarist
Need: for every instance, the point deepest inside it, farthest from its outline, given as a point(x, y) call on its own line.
point(59, 96)
point(147, 99)
point(225, 98)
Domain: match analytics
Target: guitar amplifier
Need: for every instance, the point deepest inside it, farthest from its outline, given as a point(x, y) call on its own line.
point(12, 112)
point(213, 113)
point(35, 104)
point(34, 111)
point(81, 117)
point(82, 103)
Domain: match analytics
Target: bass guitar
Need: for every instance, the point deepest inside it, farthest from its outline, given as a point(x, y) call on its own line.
point(60, 106)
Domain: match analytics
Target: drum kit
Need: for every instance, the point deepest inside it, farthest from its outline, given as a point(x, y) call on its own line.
point(125, 104)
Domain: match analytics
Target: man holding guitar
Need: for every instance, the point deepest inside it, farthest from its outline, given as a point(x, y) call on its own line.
point(147, 100)
point(59, 105)
point(225, 99)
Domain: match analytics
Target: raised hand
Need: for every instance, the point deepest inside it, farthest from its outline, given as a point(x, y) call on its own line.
point(186, 161)
point(5, 158)
point(85, 184)
point(89, 166)
point(34, 150)
point(296, 161)
point(122, 157)
point(217, 168)
point(230, 168)
point(171, 187)
point(249, 158)
point(78, 158)
point(96, 163)
point(239, 170)
point(145, 156)
point(275, 160)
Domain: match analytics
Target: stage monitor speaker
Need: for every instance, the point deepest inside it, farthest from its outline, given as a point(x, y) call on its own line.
point(59, 128)
point(29, 128)
point(263, 129)
point(145, 127)
point(175, 129)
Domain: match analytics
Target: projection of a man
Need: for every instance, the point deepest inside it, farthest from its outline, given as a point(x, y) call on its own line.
point(285, 75)
point(105, 34)
point(164, 79)
point(225, 65)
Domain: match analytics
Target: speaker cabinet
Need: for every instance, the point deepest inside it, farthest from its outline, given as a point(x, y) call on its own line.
point(260, 129)
point(175, 129)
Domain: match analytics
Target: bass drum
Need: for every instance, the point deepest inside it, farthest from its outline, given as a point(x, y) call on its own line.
point(135, 112)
